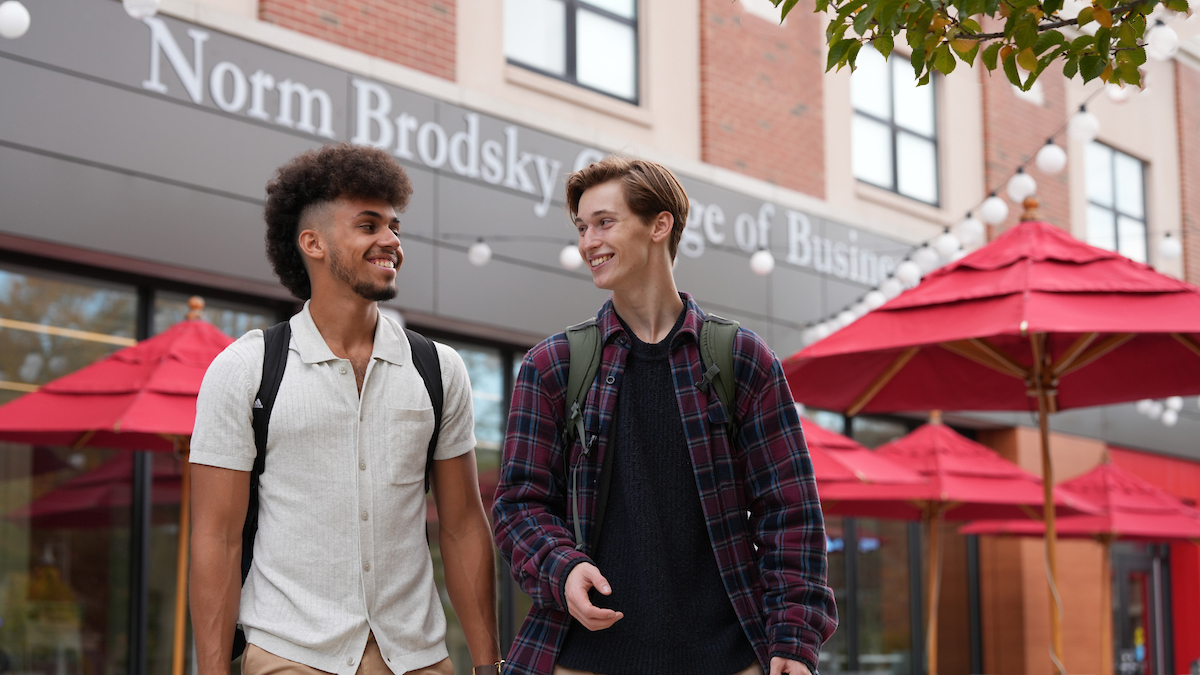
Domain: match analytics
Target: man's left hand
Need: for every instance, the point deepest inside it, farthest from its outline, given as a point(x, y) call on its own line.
point(782, 666)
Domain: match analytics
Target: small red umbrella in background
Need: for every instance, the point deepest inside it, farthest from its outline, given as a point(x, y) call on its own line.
point(839, 462)
point(962, 479)
point(1130, 510)
point(1033, 320)
point(142, 397)
point(99, 498)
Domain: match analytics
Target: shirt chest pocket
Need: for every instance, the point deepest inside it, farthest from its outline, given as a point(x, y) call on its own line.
point(406, 444)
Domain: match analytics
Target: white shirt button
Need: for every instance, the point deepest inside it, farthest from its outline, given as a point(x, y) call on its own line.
point(364, 515)
point(362, 466)
point(342, 370)
point(366, 567)
point(350, 661)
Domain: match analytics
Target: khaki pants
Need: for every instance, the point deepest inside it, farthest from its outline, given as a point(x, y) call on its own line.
point(259, 662)
point(754, 669)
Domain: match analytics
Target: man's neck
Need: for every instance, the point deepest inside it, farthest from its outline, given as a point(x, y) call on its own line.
point(347, 324)
point(649, 309)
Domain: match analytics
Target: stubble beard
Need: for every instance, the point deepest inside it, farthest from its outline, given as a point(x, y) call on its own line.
point(364, 288)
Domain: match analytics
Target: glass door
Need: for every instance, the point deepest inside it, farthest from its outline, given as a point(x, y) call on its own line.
point(1141, 611)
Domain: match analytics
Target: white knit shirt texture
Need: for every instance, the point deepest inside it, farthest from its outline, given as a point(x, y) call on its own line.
point(341, 548)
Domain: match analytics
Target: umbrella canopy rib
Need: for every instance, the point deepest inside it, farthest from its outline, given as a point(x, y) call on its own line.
point(1106, 345)
point(1187, 341)
point(986, 354)
point(881, 381)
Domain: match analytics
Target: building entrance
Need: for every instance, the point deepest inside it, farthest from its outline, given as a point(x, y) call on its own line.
point(1141, 610)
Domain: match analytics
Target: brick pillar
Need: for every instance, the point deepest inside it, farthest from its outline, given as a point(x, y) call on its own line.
point(419, 34)
point(1187, 112)
point(761, 106)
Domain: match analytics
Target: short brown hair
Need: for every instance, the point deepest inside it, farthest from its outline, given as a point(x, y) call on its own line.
point(650, 189)
point(318, 177)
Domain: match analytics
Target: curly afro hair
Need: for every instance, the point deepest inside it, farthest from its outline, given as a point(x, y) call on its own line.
point(318, 177)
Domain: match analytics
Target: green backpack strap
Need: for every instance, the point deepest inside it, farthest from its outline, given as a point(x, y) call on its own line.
point(586, 352)
point(717, 336)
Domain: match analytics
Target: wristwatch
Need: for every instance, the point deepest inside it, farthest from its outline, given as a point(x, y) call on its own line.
point(489, 669)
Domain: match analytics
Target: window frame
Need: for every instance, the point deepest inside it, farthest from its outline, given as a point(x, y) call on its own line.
point(570, 76)
point(894, 130)
point(1115, 210)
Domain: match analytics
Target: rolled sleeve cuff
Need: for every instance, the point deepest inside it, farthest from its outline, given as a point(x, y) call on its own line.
point(562, 561)
point(221, 461)
point(803, 645)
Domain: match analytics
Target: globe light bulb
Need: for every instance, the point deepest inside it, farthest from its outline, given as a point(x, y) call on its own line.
point(569, 257)
point(1020, 186)
point(1116, 93)
point(1051, 159)
point(909, 273)
point(822, 331)
point(480, 253)
point(993, 211)
point(1174, 403)
point(1145, 406)
point(971, 231)
point(859, 309)
point(845, 318)
point(808, 336)
point(762, 262)
point(140, 9)
point(1169, 417)
point(947, 245)
point(14, 19)
point(1170, 248)
point(1163, 42)
point(1156, 409)
point(891, 287)
point(927, 259)
point(1084, 126)
point(875, 299)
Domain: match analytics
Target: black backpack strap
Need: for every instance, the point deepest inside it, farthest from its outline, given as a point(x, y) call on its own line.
point(425, 358)
point(275, 350)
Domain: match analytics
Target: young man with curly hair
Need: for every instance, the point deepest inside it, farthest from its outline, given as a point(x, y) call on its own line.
point(341, 579)
point(698, 551)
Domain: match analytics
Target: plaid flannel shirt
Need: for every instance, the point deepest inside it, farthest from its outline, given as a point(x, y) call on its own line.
point(772, 562)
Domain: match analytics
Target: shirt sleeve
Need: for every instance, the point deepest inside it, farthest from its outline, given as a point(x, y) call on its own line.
point(223, 435)
point(785, 512)
point(457, 436)
point(530, 511)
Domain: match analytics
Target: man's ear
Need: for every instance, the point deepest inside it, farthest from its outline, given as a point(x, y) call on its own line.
point(661, 227)
point(312, 244)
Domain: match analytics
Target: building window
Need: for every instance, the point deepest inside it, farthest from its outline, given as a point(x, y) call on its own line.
point(894, 131)
point(592, 44)
point(1116, 190)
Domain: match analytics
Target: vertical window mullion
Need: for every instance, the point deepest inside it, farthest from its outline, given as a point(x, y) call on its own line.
point(891, 80)
point(571, 51)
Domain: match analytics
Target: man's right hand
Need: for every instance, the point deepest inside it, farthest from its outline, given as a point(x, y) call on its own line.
point(582, 579)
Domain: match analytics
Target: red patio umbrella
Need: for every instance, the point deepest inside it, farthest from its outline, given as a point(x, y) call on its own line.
point(99, 497)
point(839, 462)
point(1034, 320)
point(142, 397)
point(963, 479)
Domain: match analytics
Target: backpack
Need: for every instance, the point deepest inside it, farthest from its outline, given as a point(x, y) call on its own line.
point(716, 358)
point(275, 350)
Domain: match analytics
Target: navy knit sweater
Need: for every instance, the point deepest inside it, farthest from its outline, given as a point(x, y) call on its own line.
point(654, 547)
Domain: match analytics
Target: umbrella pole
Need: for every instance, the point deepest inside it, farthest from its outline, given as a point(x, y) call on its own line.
point(933, 523)
point(181, 570)
point(1106, 614)
point(1056, 643)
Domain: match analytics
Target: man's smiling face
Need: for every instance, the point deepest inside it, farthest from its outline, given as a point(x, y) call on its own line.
point(364, 246)
point(613, 240)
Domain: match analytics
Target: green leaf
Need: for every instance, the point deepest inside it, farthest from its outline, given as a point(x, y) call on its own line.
point(971, 25)
point(969, 57)
point(849, 8)
point(989, 55)
point(886, 14)
point(1047, 40)
point(789, 4)
point(1026, 34)
point(883, 45)
point(1103, 42)
point(851, 55)
point(943, 59)
point(1177, 5)
point(1051, 6)
point(835, 31)
point(990, 7)
point(1090, 66)
point(1084, 17)
point(918, 61)
point(1010, 69)
point(865, 16)
point(1137, 56)
point(836, 51)
point(1070, 67)
point(924, 80)
point(1130, 74)
point(1081, 42)
point(1027, 60)
point(1126, 35)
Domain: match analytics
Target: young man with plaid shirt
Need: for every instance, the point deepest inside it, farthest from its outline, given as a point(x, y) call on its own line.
point(697, 552)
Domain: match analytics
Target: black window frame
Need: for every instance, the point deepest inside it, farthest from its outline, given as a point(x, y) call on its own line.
point(1114, 209)
point(894, 130)
point(570, 10)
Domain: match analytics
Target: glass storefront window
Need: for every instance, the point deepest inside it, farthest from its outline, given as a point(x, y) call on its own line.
point(232, 318)
point(833, 657)
point(885, 634)
point(64, 513)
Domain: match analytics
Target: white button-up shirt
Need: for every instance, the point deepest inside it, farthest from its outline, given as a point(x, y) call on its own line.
point(341, 548)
